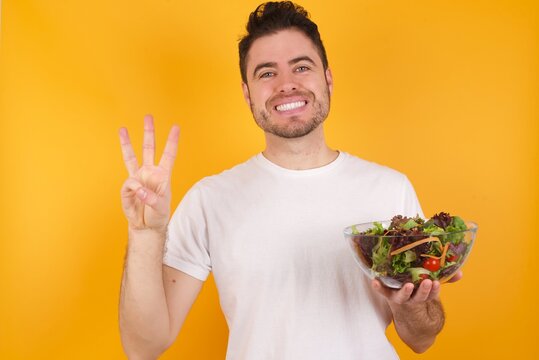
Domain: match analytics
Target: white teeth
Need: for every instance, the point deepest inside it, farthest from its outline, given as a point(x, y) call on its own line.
point(290, 106)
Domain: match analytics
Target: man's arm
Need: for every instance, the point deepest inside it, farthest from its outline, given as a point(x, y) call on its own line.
point(154, 299)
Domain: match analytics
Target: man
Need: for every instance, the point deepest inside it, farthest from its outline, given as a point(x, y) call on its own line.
point(270, 229)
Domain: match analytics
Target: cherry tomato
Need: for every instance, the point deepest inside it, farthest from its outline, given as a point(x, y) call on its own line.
point(431, 264)
point(452, 258)
point(424, 276)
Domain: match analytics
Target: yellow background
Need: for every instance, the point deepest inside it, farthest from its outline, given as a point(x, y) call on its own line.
point(444, 91)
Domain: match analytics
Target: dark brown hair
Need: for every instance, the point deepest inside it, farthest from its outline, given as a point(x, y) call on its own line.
point(271, 17)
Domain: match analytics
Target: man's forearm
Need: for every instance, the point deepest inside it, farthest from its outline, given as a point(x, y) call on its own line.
point(418, 324)
point(144, 319)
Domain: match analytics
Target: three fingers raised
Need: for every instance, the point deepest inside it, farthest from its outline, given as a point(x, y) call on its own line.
point(148, 147)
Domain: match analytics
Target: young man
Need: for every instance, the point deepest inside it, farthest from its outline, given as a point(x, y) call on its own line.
point(270, 229)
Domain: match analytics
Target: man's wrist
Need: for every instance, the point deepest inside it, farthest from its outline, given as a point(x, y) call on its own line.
point(148, 241)
point(147, 232)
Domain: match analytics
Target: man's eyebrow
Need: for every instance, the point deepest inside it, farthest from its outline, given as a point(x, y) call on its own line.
point(263, 65)
point(301, 58)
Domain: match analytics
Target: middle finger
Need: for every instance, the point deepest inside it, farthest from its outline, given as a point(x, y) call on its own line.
point(423, 291)
point(148, 145)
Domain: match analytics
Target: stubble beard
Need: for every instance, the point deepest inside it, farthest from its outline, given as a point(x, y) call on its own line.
point(294, 126)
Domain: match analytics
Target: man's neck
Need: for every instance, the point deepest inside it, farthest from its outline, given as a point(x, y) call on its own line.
point(307, 152)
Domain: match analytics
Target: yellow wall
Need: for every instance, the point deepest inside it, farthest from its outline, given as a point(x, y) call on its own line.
point(444, 91)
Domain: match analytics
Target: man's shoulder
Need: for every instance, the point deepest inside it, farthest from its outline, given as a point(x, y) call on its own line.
point(229, 177)
point(363, 167)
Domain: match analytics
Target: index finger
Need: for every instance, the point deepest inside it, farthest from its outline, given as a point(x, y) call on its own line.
point(171, 148)
point(130, 159)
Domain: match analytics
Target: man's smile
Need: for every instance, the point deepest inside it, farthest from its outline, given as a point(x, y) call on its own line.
point(291, 105)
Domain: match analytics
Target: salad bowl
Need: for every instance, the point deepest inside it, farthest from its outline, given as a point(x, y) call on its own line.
point(405, 249)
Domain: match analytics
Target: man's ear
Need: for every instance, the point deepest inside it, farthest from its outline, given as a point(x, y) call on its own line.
point(329, 80)
point(246, 96)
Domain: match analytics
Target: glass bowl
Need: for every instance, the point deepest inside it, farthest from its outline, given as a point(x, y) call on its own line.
point(394, 260)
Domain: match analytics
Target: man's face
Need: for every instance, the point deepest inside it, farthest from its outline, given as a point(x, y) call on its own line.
point(287, 88)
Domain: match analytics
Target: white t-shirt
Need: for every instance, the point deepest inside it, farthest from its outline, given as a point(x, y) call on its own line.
point(288, 285)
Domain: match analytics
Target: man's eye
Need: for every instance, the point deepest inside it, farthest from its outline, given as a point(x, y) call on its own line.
point(302, 68)
point(266, 74)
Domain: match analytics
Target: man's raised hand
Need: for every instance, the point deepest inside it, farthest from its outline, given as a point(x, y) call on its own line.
point(146, 193)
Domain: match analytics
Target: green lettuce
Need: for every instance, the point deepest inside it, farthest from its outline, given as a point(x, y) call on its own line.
point(416, 273)
point(380, 255)
point(401, 262)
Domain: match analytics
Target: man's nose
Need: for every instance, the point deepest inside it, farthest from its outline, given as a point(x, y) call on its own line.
point(287, 83)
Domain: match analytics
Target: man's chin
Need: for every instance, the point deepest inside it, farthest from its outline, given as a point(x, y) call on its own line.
point(288, 127)
point(291, 132)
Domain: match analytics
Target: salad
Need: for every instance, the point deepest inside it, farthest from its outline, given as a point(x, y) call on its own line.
point(414, 249)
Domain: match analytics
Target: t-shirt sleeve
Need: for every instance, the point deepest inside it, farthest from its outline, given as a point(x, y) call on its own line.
point(410, 203)
point(187, 246)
